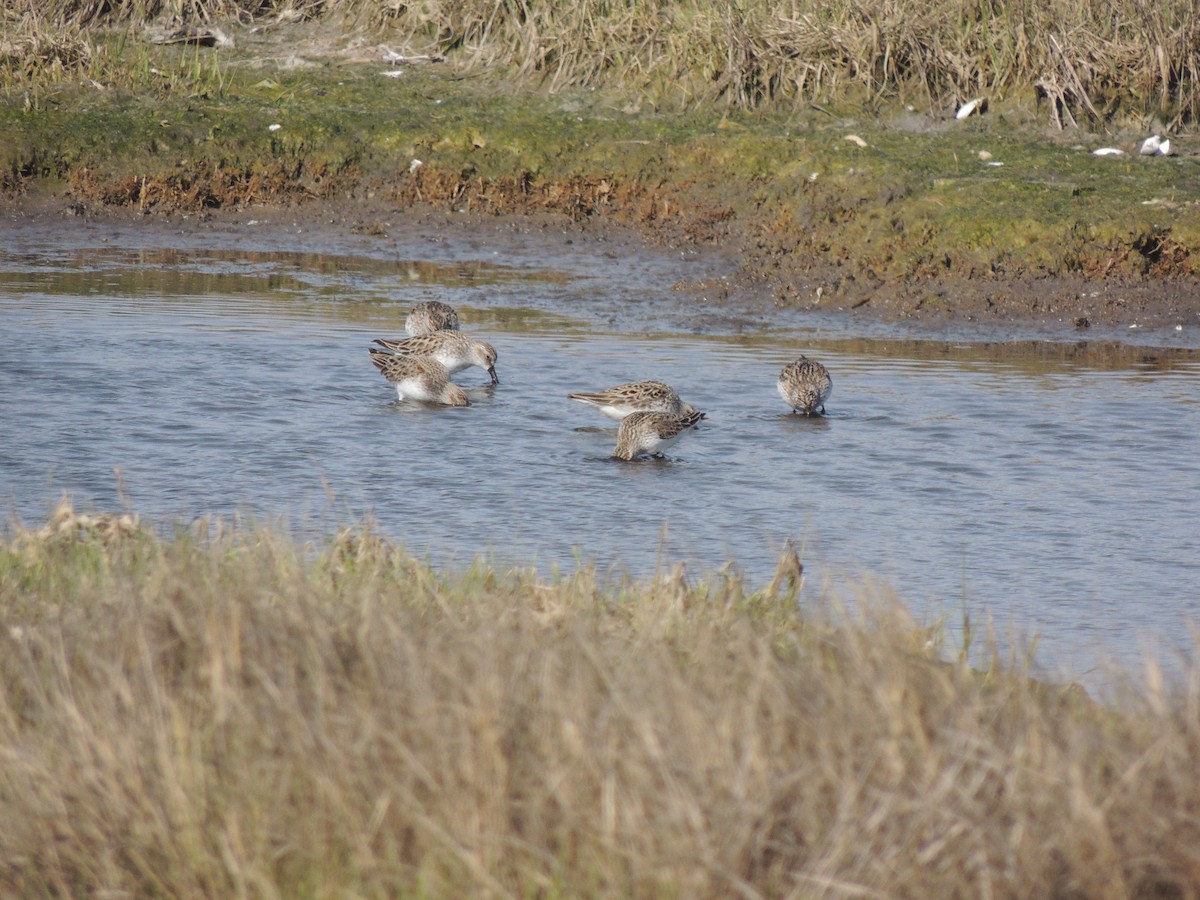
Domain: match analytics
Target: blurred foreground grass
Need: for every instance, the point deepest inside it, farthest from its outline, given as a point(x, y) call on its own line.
point(225, 712)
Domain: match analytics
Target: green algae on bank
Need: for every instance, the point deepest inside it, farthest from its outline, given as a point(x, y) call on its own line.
point(847, 198)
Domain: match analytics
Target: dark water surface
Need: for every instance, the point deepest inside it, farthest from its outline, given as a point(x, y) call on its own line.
point(1059, 498)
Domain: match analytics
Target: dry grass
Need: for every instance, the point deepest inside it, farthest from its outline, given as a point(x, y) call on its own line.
point(1091, 63)
point(1084, 58)
point(36, 45)
point(225, 713)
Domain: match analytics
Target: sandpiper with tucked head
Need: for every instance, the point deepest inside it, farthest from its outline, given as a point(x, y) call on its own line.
point(452, 349)
point(805, 385)
point(652, 432)
point(418, 378)
point(431, 315)
point(636, 396)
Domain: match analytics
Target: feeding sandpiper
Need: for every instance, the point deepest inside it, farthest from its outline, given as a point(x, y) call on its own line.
point(636, 396)
point(651, 432)
point(429, 316)
point(418, 378)
point(805, 385)
point(452, 349)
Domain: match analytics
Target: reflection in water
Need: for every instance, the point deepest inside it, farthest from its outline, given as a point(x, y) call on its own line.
point(1051, 488)
point(288, 284)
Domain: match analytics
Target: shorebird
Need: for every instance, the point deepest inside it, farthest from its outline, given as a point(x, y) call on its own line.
point(651, 432)
point(636, 396)
point(805, 385)
point(418, 378)
point(452, 349)
point(431, 315)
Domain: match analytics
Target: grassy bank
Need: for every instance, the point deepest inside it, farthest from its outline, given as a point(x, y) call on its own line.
point(830, 192)
point(222, 712)
point(1090, 62)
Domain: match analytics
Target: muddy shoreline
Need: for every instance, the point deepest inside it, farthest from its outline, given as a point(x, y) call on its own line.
point(889, 221)
point(733, 291)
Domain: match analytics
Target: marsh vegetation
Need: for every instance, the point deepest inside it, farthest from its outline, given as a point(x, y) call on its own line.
point(1090, 62)
point(223, 711)
point(816, 141)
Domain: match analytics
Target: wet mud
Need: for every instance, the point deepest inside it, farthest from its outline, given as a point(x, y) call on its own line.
point(738, 286)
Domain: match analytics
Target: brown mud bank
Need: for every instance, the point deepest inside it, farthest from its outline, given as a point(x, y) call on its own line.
point(913, 221)
point(772, 263)
point(913, 226)
point(1103, 320)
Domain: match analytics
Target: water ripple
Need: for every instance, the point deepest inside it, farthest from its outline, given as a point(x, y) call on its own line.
point(1058, 499)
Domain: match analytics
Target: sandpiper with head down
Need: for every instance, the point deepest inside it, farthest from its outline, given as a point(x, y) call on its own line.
point(418, 378)
point(636, 396)
point(805, 385)
point(429, 316)
point(452, 349)
point(649, 433)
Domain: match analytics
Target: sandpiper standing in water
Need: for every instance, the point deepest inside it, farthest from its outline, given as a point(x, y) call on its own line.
point(452, 349)
point(805, 385)
point(431, 315)
point(419, 378)
point(636, 396)
point(652, 432)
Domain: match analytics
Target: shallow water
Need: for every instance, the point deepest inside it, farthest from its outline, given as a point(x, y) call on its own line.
point(1058, 498)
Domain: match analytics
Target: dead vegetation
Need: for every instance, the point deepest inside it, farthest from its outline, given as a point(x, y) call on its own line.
point(207, 186)
point(34, 46)
point(224, 712)
point(1092, 65)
